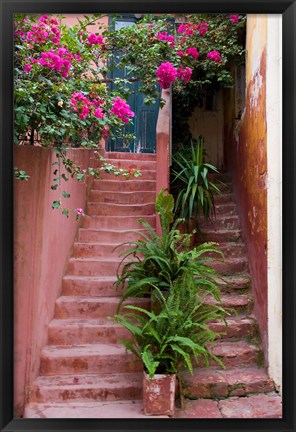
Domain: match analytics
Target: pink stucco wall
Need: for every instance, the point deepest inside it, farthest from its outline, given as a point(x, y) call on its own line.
point(43, 238)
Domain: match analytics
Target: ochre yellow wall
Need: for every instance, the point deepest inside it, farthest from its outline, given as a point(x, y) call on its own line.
point(246, 155)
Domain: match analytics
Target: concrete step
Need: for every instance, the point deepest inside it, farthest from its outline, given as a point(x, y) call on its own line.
point(221, 222)
point(224, 197)
point(234, 283)
point(92, 267)
point(94, 387)
point(229, 266)
point(219, 235)
point(88, 358)
point(235, 327)
point(113, 223)
point(92, 307)
point(230, 249)
point(102, 286)
point(133, 163)
point(85, 331)
point(97, 250)
point(109, 267)
point(88, 235)
point(119, 197)
point(239, 303)
point(115, 409)
point(127, 185)
point(146, 174)
point(235, 354)
point(130, 156)
point(213, 383)
point(229, 209)
point(108, 209)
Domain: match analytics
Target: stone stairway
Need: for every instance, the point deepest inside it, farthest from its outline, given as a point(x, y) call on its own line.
point(85, 372)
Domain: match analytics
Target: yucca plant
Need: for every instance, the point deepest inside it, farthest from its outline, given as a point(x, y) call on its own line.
point(160, 260)
point(196, 191)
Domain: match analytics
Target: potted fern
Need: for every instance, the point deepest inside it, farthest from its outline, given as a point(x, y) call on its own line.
point(174, 333)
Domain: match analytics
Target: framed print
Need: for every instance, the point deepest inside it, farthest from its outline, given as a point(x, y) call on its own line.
point(147, 215)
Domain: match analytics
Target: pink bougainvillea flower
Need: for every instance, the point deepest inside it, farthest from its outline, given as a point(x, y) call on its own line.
point(98, 113)
point(94, 39)
point(202, 28)
point(105, 133)
point(122, 109)
point(180, 53)
point(234, 18)
point(184, 74)
point(215, 56)
point(182, 28)
point(80, 211)
point(164, 36)
point(46, 30)
point(166, 74)
point(193, 52)
point(27, 68)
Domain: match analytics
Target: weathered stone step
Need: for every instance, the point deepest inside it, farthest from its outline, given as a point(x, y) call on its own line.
point(230, 265)
point(231, 249)
point(116, 222)
point(95, 387)
point(254, 406)
point(219, 177)
point(108, 209)
point(92, 267)
point(234, 283)
point(240, 303)
point(224, 197)
point(109, 267)
point(88, 358)
point(86, 235)
point(133, 163)
point(146, 174)
point(86, 409)
point(213, 383)
point(98, 286)
point(86, 331)
point(126, 185)
point(91, 250)
point(221, 222)
point(138, 197)
point(234, 354)
point(235, 327)
point(92, 307)
point(130, 156)
point(219, 235)
point(228, 209)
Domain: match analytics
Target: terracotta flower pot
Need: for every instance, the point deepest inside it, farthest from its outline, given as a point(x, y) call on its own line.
point(159, 394)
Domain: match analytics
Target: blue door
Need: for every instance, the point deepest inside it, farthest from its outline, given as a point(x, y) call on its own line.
point(143, 125)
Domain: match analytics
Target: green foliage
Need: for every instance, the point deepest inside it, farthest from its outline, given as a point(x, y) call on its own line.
point(160, 260)
point(175, 333)
point(196, 191)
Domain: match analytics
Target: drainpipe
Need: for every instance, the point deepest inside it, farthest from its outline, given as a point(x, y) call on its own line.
point(163, 139)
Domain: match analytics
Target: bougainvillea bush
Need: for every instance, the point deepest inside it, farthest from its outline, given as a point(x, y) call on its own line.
point(62, 93)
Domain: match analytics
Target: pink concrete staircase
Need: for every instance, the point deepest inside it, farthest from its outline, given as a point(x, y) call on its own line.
point(86, 372)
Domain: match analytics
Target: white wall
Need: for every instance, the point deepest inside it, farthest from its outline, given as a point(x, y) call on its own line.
point(274, 195)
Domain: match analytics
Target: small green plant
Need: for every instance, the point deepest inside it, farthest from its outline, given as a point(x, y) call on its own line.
point(160, 260)
point(175, 332)
point(196, 191)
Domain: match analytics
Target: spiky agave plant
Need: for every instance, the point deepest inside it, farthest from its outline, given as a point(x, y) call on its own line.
point(196, 191)
point(160, 260)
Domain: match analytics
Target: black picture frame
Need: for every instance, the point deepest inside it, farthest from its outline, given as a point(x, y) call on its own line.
point(288, 11)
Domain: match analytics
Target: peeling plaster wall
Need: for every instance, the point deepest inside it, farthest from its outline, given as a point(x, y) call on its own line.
point(253, 155)
point(247, 159)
